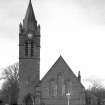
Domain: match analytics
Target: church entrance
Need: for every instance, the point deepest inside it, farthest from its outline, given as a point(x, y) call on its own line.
point(28, 100)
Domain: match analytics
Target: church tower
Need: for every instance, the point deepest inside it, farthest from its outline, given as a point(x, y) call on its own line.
point(29, 56)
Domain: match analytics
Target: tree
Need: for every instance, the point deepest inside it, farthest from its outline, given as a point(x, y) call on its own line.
point(97, 89)
point(10, 87)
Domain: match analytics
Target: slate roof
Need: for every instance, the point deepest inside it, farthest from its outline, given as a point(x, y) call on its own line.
point(61, 60)
point(29, 18)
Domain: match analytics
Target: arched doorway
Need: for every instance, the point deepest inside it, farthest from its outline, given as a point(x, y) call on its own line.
point(28, 100)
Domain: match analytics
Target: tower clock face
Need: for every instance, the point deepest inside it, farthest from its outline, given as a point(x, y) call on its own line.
point(30, 35)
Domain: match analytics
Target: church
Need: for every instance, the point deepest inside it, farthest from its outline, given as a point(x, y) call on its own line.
point(60, 86)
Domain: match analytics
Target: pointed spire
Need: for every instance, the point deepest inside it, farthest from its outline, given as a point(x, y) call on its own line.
point(29, 22)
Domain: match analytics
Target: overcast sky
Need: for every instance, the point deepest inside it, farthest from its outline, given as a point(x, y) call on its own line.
point(73, 28)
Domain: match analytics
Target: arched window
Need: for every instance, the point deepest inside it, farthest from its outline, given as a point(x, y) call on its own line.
point(26, 48)
point(68, 85)
point(59, 81)
point(47, 91)
point(53, 88)
point(29, 48)
point(63, 90)
point(32, 48)
point(61, 84)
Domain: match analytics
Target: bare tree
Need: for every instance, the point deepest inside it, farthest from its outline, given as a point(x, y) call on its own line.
point(10, 87)
point(12, 72)
point(97, 89)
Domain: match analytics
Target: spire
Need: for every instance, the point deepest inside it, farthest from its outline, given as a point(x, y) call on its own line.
point(29, 22)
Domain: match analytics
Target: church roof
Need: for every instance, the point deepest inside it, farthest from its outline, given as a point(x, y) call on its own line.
point(61, 62)
point(29, 21)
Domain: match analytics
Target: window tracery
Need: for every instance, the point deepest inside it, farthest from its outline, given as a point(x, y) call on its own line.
point(32, 48)
point(53, 88)
point(61, 84)
point(29, 48)
point(68, 85)
point(26, 48)
point(63, 90)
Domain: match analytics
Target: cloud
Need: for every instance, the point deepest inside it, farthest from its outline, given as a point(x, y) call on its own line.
point(93, 9)
point(11, 12)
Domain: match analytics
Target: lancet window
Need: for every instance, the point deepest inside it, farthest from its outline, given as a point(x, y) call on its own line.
point(53, 88)
point(61, 85)
point(68, 85)
point(32, 48)
point(29, 48)
point(63, 89)
point(26, 49)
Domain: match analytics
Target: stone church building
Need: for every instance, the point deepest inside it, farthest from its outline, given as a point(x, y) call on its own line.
point(60, 86)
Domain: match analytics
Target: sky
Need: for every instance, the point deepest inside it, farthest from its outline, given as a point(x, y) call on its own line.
point(74, 29)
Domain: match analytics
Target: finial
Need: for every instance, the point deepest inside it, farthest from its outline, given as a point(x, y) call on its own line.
point(39, 29)
point(20, 27)
point(60, 56)
point(78, 72)
point(79, 76)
